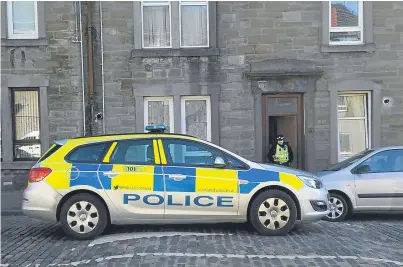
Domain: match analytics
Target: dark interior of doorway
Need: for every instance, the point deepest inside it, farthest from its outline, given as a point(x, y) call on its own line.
point(286, 125)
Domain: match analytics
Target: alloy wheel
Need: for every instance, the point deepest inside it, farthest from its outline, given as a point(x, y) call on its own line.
point(82, 217)
point(274, 213)
point(336, 208)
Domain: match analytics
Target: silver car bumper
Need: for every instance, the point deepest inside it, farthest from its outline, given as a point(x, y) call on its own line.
point(308, 197)
point(40, 201)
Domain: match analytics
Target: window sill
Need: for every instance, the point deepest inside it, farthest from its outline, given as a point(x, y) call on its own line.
point(24, 42)
point(369, 48)
point(168, 52)
point(17, 165)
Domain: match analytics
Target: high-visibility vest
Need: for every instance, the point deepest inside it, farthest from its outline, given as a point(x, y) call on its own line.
point(281, 155)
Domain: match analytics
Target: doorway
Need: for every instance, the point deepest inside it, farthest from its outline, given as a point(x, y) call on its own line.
point(283, 114)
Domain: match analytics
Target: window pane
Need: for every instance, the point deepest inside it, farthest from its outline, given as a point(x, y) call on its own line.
point(196, 118)
point(26, 115)
point(23, 17)
point(27, 151)
point(194, 25)
point(139, 152)
point(345, 142)
point(156, 25)
point(181, 152)
point(345, 36)
point(158, 113)
point(282, 105)
point(386, 161)
point(26, 125)
point(351, 106)
point(344, 14)
point(89, 153)
point(356, 142)
point(155, 2)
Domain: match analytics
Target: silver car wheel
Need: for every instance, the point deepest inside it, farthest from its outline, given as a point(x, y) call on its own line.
point(274, 213)
point(82, 217)
point(336, 208)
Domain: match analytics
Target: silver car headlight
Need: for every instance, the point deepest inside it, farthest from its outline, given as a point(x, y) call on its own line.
point(311, 181)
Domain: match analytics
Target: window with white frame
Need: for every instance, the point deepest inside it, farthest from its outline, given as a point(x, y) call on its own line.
point(196, 116)
point(353, 123)
point(156, 26)
point(159, 110)
point(194, 24)
point(22, 19)
point(345, 22)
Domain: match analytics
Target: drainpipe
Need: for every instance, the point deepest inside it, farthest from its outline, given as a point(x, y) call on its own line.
point(90, 68)
point(81, 56)
point(102, 68)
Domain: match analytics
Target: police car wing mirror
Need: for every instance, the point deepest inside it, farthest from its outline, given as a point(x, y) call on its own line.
point(219, 162)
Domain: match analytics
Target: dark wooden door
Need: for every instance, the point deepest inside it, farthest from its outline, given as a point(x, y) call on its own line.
point(283, 114)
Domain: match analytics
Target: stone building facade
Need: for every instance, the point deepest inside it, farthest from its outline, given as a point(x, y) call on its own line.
point(255, 69)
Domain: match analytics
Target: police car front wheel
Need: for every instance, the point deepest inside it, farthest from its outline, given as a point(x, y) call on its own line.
point(273, 212)
point(83, 216)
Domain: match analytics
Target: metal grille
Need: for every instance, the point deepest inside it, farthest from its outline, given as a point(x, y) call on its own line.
point(27, 144)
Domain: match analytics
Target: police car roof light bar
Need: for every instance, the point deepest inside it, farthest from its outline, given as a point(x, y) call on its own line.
point(156, 128)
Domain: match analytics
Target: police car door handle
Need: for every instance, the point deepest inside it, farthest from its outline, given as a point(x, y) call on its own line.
point(111, 174)
point(177, 177)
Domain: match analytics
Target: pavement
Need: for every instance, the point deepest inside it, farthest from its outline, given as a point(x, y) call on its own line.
point(365, 240)
point(11, 202)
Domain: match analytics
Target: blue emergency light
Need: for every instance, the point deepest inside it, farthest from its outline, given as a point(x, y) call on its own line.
point(156, 128)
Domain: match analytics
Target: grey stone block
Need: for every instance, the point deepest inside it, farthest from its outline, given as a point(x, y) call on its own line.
point(292, 16)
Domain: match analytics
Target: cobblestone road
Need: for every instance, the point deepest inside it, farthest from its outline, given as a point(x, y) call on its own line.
point(362, 241)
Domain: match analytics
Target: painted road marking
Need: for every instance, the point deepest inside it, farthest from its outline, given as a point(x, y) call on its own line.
point(128, 236)
point(241, 256)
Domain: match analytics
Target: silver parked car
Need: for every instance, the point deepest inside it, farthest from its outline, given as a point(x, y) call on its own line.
point(371, 181)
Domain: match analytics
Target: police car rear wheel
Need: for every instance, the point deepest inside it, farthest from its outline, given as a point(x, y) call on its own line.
point(83, 216)
point(273, 212)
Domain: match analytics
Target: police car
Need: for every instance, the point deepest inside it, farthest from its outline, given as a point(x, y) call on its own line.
point(89, 183)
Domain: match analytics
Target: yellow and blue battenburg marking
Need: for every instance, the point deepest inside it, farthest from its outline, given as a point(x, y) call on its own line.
point(151, 178)
point(255, 176)
point(132, 178)
point(85, 174)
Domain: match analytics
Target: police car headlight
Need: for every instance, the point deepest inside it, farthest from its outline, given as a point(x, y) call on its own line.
point(311, 182)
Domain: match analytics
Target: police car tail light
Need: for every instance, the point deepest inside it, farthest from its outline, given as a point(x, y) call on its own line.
point(38, 174)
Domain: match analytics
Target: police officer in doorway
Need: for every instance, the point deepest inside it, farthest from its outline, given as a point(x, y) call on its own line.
point(281, 153)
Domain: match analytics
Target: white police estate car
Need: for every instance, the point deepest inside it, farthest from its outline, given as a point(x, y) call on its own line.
point(90, 182)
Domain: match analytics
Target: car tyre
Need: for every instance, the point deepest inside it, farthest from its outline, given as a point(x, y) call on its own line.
point(341, 205)
point(273, 213)
point(83, 216)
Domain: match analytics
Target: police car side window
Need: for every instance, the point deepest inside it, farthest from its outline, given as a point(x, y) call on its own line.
point(188, 153)
point(135, 152)
point(88, 153)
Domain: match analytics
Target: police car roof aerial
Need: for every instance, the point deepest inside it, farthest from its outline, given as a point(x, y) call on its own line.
point(155, 128)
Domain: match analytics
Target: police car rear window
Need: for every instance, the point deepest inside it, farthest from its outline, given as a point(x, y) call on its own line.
point(48, 153)
point(88, 153)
